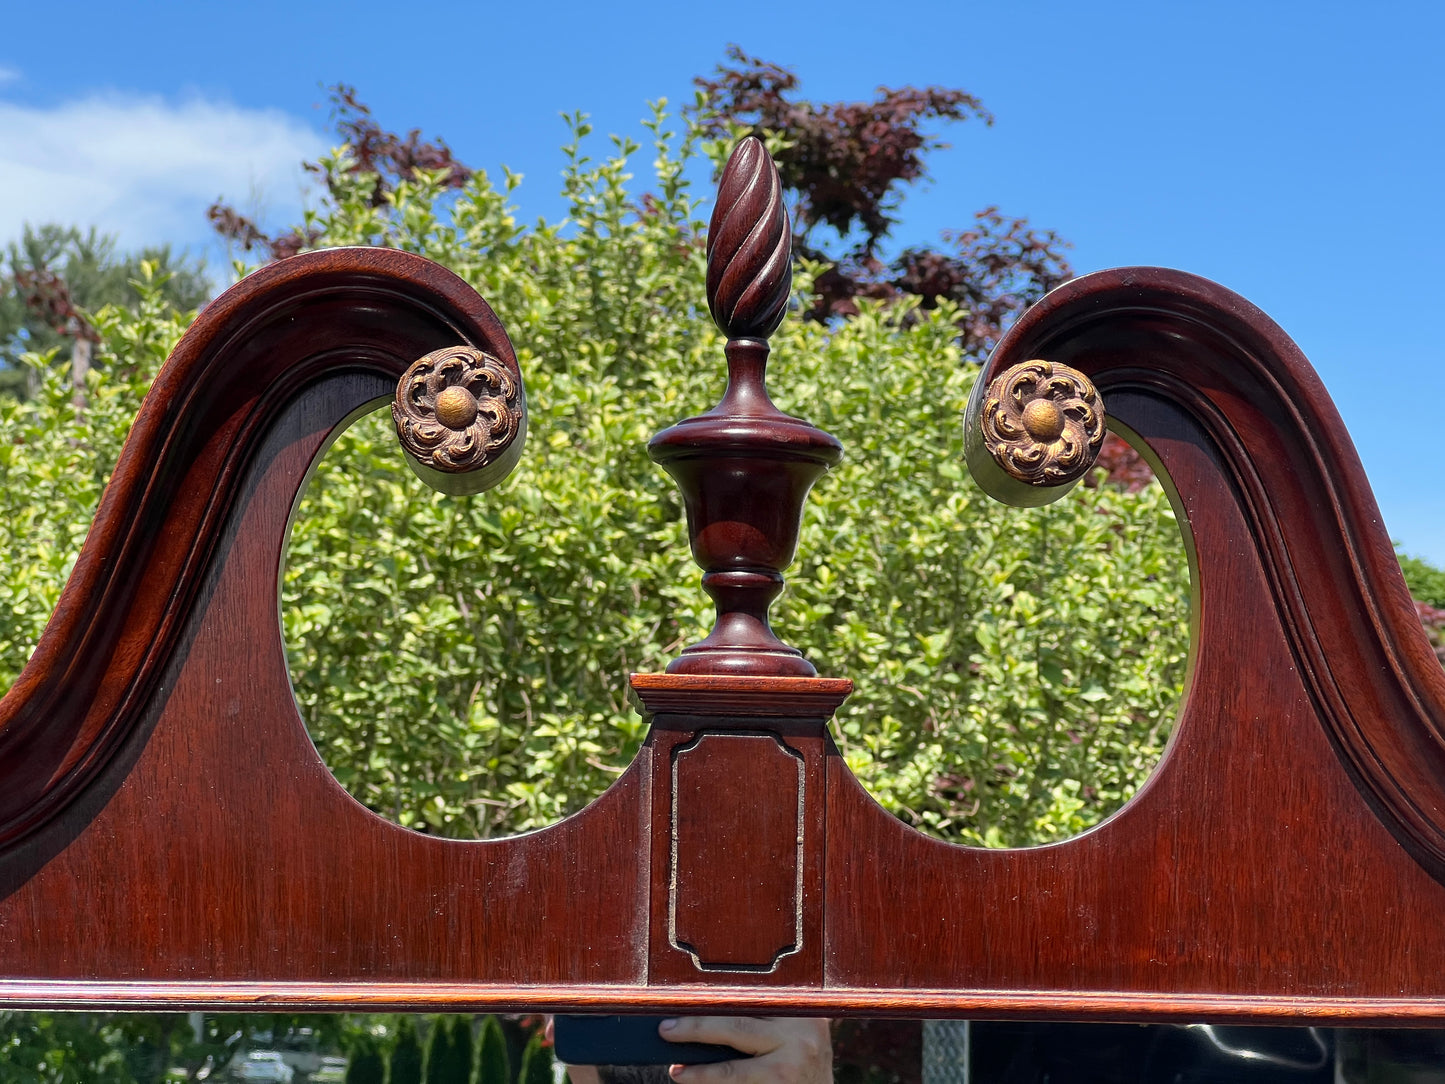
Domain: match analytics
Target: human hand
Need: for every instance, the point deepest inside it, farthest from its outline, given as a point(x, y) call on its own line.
point(784, 1050)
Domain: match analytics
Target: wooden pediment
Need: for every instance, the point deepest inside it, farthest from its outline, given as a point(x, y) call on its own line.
point(169, 835)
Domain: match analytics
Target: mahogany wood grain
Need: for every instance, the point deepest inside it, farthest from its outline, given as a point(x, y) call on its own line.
point(738, 849)
point(252, 350)
point(735, 895)
point(1286, 463)
point(747, 697)
point(220, 847)
point(742, 1000)
point(169, 836)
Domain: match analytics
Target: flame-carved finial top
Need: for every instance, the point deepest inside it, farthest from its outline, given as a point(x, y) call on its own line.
point(749, 246)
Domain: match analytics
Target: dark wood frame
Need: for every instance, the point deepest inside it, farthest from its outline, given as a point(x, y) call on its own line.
point(1285, 862)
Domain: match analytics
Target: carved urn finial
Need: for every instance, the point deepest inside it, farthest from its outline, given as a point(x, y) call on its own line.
point(745, 467)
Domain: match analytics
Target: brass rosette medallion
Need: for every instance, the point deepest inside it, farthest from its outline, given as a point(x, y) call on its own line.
point(459, 411)
point(1043, 423)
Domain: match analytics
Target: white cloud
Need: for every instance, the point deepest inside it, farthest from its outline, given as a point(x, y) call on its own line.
point(147, 169)
point(8, 74)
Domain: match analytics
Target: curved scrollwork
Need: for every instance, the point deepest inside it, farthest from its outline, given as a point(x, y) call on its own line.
point(253, 354)
point(1260, 426)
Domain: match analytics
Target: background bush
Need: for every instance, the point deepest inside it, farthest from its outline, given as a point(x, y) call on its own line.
point(462, 663)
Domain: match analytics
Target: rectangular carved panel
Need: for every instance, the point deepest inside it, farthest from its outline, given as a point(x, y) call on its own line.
point(737, 851)
point(737, 872)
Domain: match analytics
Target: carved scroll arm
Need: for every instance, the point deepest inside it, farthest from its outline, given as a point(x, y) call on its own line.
point(249, 354)
point(1150, 337)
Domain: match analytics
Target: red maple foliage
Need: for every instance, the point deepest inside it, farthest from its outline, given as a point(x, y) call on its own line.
point(47, 294)
point(243, 232)
point(1433, 619)
point(1122, 465)
point(386, 157)
point(846, 164)
point(844, 160)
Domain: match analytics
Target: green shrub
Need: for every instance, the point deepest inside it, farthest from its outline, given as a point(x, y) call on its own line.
point(365, 1066)
point(403, 1066)
point(1426, 582)
point(462, 663)
point(536, 1062)
point(492, 1064)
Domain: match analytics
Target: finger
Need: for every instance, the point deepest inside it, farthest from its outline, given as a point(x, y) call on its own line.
point(737, 1071)
point(752, 1035)
point(804, 1056)
point(771, 1068)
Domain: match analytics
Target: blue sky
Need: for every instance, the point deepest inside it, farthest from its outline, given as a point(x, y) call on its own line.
point(1291, 151)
